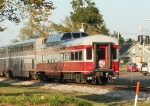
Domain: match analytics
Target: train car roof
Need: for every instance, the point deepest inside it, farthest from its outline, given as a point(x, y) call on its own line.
point(64, 36)
point(54, 38)
point(23, 42)
point(90, 40)
point(3, 46)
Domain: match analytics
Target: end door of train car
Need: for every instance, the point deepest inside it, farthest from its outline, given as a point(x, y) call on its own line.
point(105, 61)
point(102, 56)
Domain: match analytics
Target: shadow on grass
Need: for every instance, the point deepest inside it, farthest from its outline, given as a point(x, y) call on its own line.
point(102, 100)
point(99, 98)
point(5, 85)
point(130, 82)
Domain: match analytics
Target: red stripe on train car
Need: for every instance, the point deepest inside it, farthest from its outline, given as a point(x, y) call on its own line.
point(116, 46)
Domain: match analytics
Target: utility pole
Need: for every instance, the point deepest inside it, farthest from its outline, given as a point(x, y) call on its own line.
point(141, 28)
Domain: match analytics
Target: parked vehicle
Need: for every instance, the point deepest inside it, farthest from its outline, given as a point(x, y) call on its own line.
point(145, 69)
point(133, 67)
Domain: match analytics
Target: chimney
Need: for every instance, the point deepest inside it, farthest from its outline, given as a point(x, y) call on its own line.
point(147, 40)
point(140, 38)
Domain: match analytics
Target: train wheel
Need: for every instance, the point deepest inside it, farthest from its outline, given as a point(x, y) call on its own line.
point(78, 78)
point(101, 80)
point(144, 74)
point(88, 81)
point(98, 81)
point(104, 80)
point(11, 74)
point(6, 74)
point(42, 76)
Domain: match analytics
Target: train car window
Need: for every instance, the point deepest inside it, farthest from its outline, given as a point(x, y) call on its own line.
point(61, 56)
point(21, 48)
point(26, 48)
point(101, 53)
point(29, 47)
point(66, 36)
point(32, 47)
point(64, 56)
point(49, 56)
point(84, 34)
point(11, 50)
point(76, 35)
point(56, 60)
point(114, 53)
point(80, 55)
point(88, 53)
point(33, 64)
point(72, 55)
point(68, 56)
point(52, 61)
point(43, 57)
point(17, 49)
point(47, 60)
point(76, 55)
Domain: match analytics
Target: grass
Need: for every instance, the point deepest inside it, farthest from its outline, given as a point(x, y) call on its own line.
point(27, 96)
point(36, 96)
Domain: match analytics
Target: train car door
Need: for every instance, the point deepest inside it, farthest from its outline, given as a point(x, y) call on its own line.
point(102, 53)
point(102, 56)
point(21, 66)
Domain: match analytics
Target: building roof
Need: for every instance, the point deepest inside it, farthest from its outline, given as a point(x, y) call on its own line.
point(125, 48)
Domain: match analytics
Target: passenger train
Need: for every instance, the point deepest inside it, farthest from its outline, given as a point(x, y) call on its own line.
point(74, 56)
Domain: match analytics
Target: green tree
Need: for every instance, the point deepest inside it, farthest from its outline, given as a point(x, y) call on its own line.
point(66, 25)
point(36, 11)
point(121, 39)
point(16, 10)
point(30, 31)
point(84, 12)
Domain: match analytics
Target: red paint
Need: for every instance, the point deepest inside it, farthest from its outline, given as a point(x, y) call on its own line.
point(84, 67)
point(116, 46)
point(116, 67)
point(66, 66)
point(137, 88)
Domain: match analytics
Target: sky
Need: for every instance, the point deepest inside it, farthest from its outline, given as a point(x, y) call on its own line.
point(128, 17)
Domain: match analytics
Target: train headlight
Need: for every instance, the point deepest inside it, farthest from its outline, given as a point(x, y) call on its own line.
point(102, 63)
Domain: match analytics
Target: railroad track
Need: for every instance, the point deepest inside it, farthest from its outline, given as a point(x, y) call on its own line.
point(112, 87)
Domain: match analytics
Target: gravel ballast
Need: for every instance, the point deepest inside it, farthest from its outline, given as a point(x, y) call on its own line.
point(124, 94)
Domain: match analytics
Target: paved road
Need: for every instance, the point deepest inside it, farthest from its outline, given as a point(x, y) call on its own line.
point(135, 76)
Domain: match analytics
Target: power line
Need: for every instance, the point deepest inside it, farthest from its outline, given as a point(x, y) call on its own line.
point(130, 27)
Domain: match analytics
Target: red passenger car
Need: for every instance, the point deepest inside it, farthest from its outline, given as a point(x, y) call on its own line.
point(80, 57)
